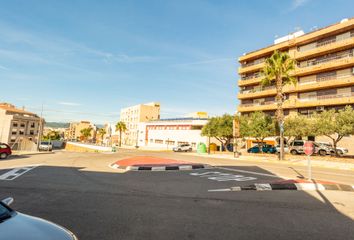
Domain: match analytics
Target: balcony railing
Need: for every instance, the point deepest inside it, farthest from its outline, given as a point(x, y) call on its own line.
point(323, 97)
point(252, 63)
point(326, 42)
point(257, 104)
point(347, 54)
point(256, 75)
point(258, 89)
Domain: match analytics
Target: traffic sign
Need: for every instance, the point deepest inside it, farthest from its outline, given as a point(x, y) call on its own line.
point(308, 148)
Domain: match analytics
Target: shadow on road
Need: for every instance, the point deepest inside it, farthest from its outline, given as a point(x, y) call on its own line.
point(172, 205)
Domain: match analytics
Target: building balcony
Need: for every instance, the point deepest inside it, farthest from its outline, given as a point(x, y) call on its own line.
point(326, 47)
point(326, 100)
point(250, 68)
point(316, 84)
point(250, 81)
point(326, 64)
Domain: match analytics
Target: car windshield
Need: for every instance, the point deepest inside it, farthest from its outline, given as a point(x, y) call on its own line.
point(44, 143)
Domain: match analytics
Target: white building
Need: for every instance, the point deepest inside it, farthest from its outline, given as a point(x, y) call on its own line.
point(167, 133)
point(134, 115)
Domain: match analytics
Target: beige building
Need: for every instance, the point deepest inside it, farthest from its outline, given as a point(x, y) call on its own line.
point(134, 115)
point(324, 72)
point(17, 125)
point(74, 130)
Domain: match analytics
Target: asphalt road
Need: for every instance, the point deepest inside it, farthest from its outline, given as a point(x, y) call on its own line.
point(80, 192)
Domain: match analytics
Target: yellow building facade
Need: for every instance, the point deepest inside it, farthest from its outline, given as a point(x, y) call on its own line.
point(324, 72)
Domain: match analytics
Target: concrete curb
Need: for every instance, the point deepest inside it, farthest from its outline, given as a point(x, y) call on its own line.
point(161, 167)
point(289, 186)
point(296, 162)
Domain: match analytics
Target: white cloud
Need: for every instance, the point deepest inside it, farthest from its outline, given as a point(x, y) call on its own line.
point(3, 67)
point(69, 104)
point(298, 3)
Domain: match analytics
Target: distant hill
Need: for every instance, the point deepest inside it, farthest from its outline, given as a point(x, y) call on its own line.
point(57, 125)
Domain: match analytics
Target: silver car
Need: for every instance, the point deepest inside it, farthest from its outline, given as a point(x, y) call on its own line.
point(18, 226)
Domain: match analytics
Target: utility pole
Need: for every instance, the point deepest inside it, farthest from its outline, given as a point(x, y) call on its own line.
point(39, 136)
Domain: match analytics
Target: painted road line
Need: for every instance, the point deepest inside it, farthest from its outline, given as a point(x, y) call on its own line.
point(222, 177)
point(15, 173)
point(250, 172)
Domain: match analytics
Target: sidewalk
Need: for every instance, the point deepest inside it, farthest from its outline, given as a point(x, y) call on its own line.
point(298, 160)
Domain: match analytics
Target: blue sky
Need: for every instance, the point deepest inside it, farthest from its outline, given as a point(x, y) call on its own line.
point(87, 59)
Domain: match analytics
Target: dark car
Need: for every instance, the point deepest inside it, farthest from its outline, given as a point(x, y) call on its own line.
point(266, 148)
point(5, 150)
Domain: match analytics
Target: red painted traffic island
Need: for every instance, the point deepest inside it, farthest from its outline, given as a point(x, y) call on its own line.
point(155, 164)
point(149, 161)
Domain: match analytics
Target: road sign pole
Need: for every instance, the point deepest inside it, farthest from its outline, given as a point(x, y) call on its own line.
point(309, 168)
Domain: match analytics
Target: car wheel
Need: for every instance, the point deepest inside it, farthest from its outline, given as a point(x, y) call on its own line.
point(340, 152)
point(322, 152)
point(293, 152)
point(3, 155)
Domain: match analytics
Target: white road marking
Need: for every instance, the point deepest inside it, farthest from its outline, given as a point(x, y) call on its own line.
point(15, 173)
point(263, 186)
point(223, 177)
point(250, 172)
point(220, 190)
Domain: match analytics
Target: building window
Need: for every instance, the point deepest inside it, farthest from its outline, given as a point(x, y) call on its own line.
point(22, 125)
point(12, 140)
point(14, 132)
point(31, 132)
point(15, 124)
point(33, 125)
point(151, 140)
point(179, 143)
point(169, 142)
point(158, 141)
point(194, 144)
point(22, 132)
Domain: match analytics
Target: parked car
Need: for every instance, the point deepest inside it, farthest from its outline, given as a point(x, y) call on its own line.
point(266, 148)
point(5, 150)
point(340, 150)
point(286, 148)
point(18, 226)
point(45, 146)
point(297, 147)
point(183, 148)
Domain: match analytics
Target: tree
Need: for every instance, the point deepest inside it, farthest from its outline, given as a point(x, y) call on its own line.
point(257, 125)
point(219, 128)
point(297, 126)
point(121, 127)
point(102, 132)
point(335, 125)
point(52, 135)
point(86, 133)
point(277, 71)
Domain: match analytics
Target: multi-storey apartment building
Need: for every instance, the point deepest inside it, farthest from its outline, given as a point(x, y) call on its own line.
point(324, 71)
point(17, 125)
point(74, 130)
point(134, 115)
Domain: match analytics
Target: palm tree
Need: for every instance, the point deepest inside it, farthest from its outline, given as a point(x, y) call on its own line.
point(86, 133)
point(277, 71)
point(102, 132)
point(121, 127)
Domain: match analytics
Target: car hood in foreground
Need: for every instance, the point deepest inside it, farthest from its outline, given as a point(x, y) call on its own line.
point(24, 227)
